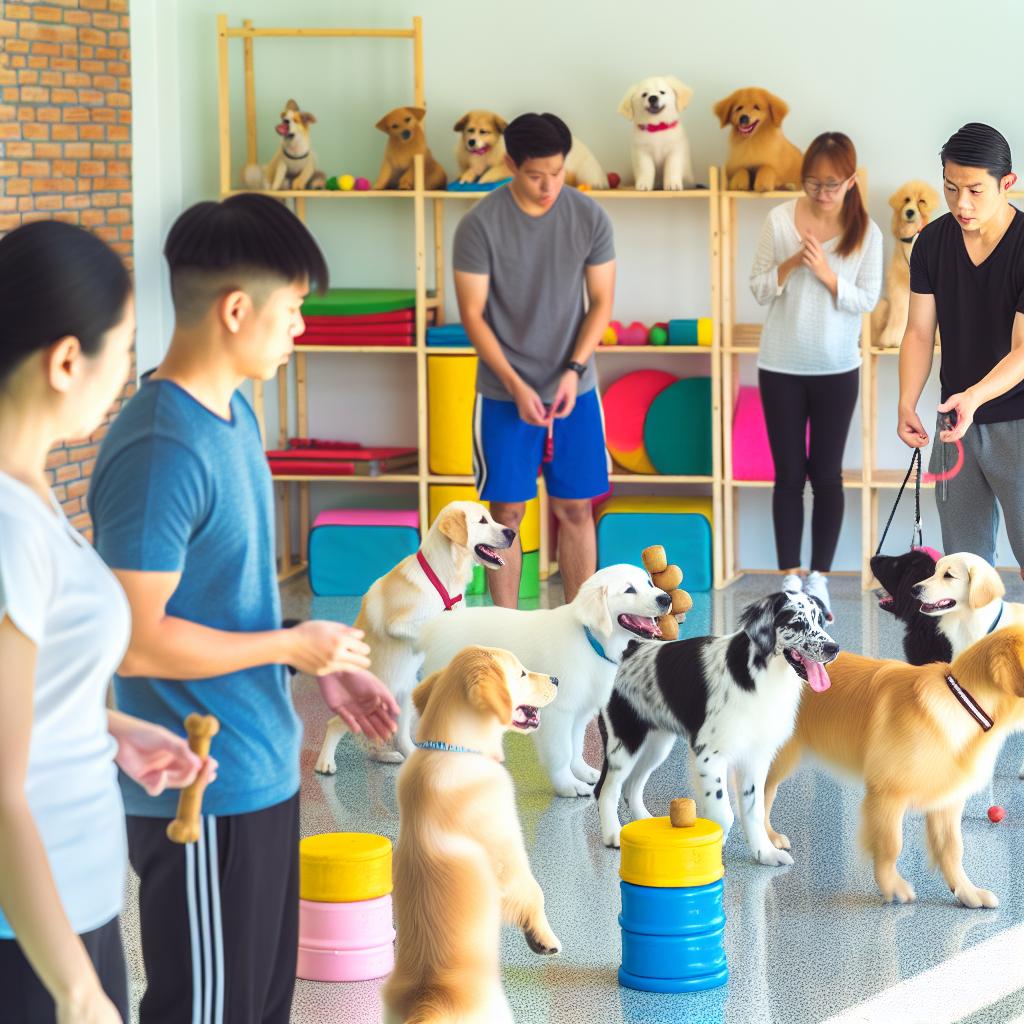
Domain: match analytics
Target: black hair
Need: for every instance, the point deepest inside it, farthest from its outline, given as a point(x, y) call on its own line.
point(243, 242)
point(57, 280)
point(530, 136)
point(978, 145)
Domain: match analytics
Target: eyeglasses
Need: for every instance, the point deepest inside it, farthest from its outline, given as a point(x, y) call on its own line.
point(813, 187)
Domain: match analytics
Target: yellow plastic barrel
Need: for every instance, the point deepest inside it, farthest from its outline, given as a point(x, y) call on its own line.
point(344, 867)
point(657, 855)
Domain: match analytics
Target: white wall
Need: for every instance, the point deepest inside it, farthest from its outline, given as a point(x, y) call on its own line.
point(898, 78)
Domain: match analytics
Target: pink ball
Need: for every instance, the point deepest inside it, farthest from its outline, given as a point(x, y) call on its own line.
point(996, 814)
point(362, 185)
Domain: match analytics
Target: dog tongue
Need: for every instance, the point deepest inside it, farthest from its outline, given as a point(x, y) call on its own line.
point(817, 677)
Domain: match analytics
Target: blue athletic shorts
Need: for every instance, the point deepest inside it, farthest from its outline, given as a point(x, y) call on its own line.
point(508, 452)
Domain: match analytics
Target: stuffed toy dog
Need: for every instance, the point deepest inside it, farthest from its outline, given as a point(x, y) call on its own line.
point(760, 156)
point(406, 140)
point(912, 206)
point(293, 166)
point(659, 147)
point(480, 152)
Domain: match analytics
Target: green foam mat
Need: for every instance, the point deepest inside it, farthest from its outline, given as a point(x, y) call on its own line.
point(352, 301)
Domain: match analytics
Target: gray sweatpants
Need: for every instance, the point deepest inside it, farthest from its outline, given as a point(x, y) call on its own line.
point(992, 477)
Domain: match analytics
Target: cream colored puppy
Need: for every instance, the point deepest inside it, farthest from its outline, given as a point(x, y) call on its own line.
point(419, 588)
point(659, 146)
point(480, 151)
point(461, 867)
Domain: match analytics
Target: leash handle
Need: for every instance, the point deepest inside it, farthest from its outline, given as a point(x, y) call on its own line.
point(917, 539)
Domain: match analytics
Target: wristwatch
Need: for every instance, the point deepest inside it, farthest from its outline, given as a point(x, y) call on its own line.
point(580, 368)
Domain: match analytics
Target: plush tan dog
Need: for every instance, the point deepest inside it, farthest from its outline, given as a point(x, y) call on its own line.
point(912, 206)
point(406, 140)
point(480, 152)
point(293, 166)
point(461, 866)
point(760, 156)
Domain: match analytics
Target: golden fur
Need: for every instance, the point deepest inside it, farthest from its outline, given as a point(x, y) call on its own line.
point(406, 140)
point(900, 729)
point(484, 129)
point(763, 159)
point(912, 206)
point(460, 865)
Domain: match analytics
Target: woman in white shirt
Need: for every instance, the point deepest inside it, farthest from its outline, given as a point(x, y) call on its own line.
point(819, 269)
point(67, 325)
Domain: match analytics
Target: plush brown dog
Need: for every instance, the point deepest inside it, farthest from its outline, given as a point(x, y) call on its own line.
point(912, 206)
point(406, 140)
point(760, 156)
point(293, 166)
point(481, 150)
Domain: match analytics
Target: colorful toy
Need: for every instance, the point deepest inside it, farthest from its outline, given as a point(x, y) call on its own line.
point(996, 814)
point(610, 336)
point(476, 186)
point(185, 828)
point(657, 335)
point(634, 334)
point(691, 332)
point(667, 577)
point(345, 915)
point(583, 187)
point(672, 920)
point(625, 408)
point(614, 180)
point(677, 428)
point(363, 185)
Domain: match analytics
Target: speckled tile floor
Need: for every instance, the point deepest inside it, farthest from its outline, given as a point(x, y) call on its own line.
point(806, 944)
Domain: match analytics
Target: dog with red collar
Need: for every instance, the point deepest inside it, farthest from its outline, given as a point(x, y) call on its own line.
point(659, 147)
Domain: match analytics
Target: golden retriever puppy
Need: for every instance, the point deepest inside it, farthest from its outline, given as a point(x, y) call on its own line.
point(480, 151)
point(293, 166)
point(760, 156)
point(659, 146)
point(912, 206)
point(923, 738)
point(406, 140)
point(460, 865)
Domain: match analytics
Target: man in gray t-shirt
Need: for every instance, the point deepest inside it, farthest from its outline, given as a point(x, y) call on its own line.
point(523, 257)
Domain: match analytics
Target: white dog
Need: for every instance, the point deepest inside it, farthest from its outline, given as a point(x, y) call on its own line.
point(419, 588)
point(659, 144)
point(583, 168)
point(581, 643)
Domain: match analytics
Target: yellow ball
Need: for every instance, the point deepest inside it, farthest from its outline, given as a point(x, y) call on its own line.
point(583, 187)
point(346, 182)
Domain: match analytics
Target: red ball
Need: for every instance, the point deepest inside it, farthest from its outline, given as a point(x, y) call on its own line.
point(996, 814)
point(613, 180)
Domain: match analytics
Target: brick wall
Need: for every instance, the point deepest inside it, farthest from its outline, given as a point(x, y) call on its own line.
point(65, 148)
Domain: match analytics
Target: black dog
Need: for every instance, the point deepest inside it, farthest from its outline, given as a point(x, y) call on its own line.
point(923, 642)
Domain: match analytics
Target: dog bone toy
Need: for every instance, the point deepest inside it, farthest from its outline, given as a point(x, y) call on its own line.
point(185, 828)
point(683, 812)
point(667, 577)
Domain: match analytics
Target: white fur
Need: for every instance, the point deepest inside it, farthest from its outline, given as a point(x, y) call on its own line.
point(553, 641)
point(582, 167)
point(662, 154)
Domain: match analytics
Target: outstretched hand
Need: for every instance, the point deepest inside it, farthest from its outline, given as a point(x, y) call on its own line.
point(361, 701)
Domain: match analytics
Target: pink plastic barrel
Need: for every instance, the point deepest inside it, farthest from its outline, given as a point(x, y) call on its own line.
point(346, 941)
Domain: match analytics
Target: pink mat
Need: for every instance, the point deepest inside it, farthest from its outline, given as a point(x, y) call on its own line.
point(751, 456)
point(368, 517)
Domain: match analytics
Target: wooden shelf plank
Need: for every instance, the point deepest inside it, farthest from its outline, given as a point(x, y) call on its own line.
point(384, 478)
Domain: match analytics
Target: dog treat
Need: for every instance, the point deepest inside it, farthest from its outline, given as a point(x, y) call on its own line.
point(681, 602)
point(669, 626)
point(683, 812)
point(185, 828)
point(654, 559)
point(668, 579)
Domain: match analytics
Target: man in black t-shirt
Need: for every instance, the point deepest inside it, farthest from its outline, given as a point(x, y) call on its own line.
point(967, 278)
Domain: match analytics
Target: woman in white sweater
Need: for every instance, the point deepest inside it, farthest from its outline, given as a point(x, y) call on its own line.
point(819, 269)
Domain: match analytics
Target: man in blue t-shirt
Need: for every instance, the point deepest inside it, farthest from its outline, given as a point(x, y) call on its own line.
point(182, 505)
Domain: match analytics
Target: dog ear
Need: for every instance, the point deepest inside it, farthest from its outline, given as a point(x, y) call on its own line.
point(418, 112)
point(454, 525)
point(500, 124)
point(626, 106)
point(778, 109)
point(461, 123)
point(757, 620)
point(291, 105)
point(307, 118)
point(591, 607)
point(983, 586)
point(929, 197)
point(382, 124)
point(422, 693)
point(896, 199)
point(488, 692)
point(683, 92)
point(723, 110)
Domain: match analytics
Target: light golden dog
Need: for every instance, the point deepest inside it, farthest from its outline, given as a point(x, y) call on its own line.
point(760, 156)
point(406, 140)
point(460, 865)
point(912, 206)
point(922, 738)
point(293, 166)
point(480, 152)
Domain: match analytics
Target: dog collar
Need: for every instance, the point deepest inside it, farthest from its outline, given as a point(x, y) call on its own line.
point(995, 621)
point(971, 706)
point(449, 601)
point(440, 745)
point(912, 238)
point(293, 156)
point(660, 126)
point(596, 644)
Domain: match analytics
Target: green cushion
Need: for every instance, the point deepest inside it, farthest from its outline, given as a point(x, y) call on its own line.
point(342, 301)
point(677, 429)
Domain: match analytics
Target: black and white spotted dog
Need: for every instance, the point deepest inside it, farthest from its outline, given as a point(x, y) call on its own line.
point(734, 697)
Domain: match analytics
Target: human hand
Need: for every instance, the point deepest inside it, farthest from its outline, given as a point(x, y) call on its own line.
point(319, 647)
point(565, 397)
point(156, 758)
point(528, 404)
point(964, 405)
point(362, 702)
point(910, 429)
point(813, 257)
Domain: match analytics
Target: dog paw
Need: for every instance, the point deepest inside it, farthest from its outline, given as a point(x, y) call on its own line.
point(773, 858)
point(973, 897)
point(585, 773)
point(387, 756)
point(779, 841)
point(545, 943)
point(674, 185)
point(644, 186)
point(325, 767)
point(574, 789)
point(611, 839)
point(898, 891)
